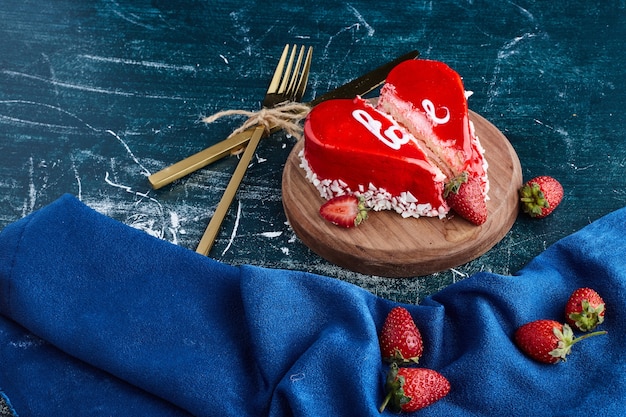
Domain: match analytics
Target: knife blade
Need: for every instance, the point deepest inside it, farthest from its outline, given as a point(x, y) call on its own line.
point(359, 86)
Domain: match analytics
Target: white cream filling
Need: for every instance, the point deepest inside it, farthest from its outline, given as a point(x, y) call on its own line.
point(485, 178)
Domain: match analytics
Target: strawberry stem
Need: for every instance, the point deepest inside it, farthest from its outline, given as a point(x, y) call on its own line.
point(395, 392)
point(585, 336)
point(385, 402)
point(567, 340)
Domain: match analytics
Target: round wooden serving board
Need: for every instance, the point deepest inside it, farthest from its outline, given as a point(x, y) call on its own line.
point(390, 246)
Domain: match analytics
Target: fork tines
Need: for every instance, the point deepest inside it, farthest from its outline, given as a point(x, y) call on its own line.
point(290, 81)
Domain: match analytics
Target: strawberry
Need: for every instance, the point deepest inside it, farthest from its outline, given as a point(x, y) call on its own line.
point(400, 339)
point(410, 389)
point(540, 196)
point(344, 210)
point(464, 195)
point(584, 309)
point(547, 341)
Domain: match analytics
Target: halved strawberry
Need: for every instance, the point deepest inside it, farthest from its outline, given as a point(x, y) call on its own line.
point(344, 210)
point(464, 195)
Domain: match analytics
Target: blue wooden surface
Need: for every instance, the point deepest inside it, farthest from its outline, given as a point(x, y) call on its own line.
point(95, 95)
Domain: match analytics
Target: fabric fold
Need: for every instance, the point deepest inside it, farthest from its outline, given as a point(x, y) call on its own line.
point(98, 318)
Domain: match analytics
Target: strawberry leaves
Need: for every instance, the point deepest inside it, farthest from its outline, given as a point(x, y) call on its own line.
point(585, 309)
point(540, 196)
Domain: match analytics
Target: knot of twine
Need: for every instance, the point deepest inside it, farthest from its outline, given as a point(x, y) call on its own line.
point(286, 116)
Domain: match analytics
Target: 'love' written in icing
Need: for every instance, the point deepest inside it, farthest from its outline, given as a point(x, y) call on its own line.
point(392, 136)
point(430, 110)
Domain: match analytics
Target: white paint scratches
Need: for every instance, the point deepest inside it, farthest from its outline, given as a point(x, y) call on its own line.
point(51, 70)
point(175, 227)
point(26, 103)
point(456, 273)
point(146, 224)
point(87, 88)
point(359, 16)
point(234, 232)
point(271, 235)
point(31, 199)
point(524, 11)
point(174, 219)
point(293, 238)
point(508, 50)
point(353, 28)
point(539, 122)
point(132, 155)
point(129, 17)
point(242, 31)
point(143, 63)
point(126, 188)
point(140, 221)
point(583, 168)
point(78, 181)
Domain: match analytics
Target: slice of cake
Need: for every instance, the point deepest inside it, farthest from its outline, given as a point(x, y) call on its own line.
point(400, 154)
point(352, 148)
point(428, 98)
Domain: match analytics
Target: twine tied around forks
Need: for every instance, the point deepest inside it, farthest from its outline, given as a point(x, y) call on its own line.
point(286, 116)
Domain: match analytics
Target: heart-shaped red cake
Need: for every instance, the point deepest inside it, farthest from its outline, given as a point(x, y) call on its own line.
point(400, 154)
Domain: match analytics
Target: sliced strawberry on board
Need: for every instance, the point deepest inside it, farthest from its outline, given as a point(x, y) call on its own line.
point(344, 211)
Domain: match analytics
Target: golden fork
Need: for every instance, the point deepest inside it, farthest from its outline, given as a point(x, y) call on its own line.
point(288, 84)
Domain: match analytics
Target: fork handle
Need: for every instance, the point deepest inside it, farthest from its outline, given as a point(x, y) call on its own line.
point(208, 238)
point(201, 159)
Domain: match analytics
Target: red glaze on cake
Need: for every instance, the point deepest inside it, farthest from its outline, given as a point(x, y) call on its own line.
point(428, 98)
point(352, 148)
point(400, 154)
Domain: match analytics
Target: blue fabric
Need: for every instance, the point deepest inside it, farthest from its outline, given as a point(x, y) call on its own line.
point(100, 319)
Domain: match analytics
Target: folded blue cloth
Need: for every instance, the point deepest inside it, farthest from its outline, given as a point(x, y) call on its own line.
point(100, 319)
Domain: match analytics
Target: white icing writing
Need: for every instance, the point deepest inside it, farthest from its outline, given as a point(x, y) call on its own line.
point(430, 110)
point(392, 136)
